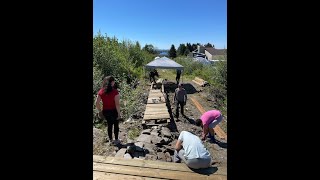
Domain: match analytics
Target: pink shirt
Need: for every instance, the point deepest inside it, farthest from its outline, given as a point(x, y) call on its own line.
point(209, 116)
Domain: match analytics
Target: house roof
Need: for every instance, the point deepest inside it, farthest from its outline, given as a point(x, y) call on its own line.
point(163, 63)
point(214, 51)
point(201, 60)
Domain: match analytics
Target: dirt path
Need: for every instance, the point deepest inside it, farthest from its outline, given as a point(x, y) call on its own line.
point(219, 150)
point(129, 129)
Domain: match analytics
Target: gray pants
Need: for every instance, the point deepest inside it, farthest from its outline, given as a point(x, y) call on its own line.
point(196, 163)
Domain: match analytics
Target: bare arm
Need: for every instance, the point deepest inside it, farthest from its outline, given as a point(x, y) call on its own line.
point(205, 132)
point(98, 99)
point(174, 97)
point(117, 101)
point(178, 145)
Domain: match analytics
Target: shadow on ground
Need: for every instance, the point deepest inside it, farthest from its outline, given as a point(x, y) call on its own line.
point(170, 87)
point(206, 171)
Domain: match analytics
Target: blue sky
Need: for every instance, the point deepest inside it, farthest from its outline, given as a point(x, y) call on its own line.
point(163, 22)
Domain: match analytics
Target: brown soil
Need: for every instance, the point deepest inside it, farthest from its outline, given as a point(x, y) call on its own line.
point(217, 150)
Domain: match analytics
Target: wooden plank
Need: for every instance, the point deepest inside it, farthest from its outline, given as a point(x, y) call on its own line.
point(150, 164)
point(155, 113)
point(161, 116)
point(160, 109)
point(157, 99)
point(144, 163)
point(156, 109)
point(198, 79)
point(155, 117)
point(155, 90)
point(164, 111)
point(223, 134)
point(155, 95)
point(158, 116)
point(97, 175)
point(150, 101)
point(151, 172)
point(200, 84)
point(217, 129)
point(155, 105)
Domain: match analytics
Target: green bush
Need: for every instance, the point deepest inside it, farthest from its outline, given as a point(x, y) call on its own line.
point(118, 58)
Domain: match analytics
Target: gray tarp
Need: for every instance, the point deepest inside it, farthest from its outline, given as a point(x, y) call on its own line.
point(163, 63)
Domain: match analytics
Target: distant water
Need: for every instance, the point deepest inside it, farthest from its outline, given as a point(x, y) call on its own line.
point(163, 53)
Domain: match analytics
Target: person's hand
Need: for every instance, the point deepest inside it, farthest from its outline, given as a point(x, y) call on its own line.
point(119, 118)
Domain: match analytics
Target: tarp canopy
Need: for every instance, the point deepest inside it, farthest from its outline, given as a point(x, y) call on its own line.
point(163, 63)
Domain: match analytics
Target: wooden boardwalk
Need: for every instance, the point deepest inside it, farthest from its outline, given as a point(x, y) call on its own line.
point(156, 108)
point(120, 168)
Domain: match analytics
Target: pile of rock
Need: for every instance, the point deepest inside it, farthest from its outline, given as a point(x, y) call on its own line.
point(156, 143)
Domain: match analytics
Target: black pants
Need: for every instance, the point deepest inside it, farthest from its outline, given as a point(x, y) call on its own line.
point(178, 79)
point(152, 79)
point(177, 103)
point(111, 117)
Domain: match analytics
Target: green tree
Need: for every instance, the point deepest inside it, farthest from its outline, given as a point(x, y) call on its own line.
point(189, 47)
point(181, 49)
point(186, 52)
point(194, 47)
point(149, 48)
point(208, 45)
point(172, 52)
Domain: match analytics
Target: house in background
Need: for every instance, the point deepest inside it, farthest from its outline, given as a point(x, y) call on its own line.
point(213, 53)
point(208, 53)
point(202, 60)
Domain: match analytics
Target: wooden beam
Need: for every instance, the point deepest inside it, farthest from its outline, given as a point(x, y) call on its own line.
point(155, 105)
point(159, 108)
point(150, 164)
point(97, 175)
point(160, 116)
point(152, 173)
point(156, 113)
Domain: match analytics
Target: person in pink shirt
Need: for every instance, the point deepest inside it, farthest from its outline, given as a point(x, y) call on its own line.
point(208, 122)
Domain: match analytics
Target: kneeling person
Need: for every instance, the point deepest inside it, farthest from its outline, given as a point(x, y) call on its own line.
point(190, 149)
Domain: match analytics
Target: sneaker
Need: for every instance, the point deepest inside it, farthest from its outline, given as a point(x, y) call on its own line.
point(212, 139)
point(116, 142)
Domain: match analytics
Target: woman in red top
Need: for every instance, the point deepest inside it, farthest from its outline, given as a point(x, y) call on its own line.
point(111, 106)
